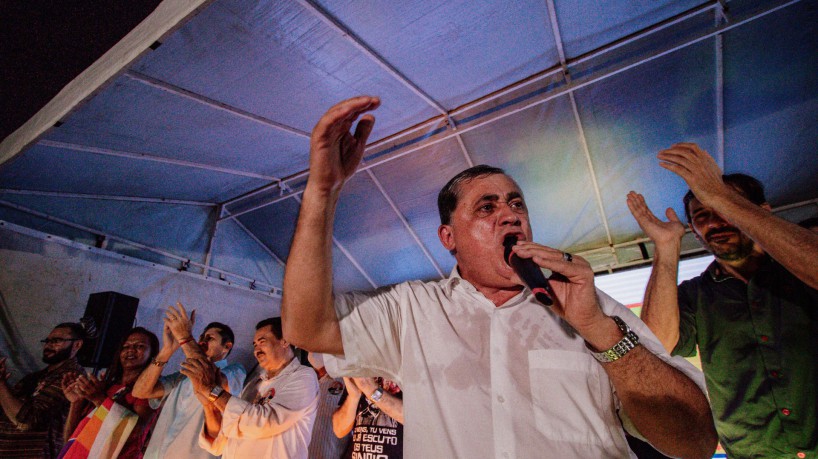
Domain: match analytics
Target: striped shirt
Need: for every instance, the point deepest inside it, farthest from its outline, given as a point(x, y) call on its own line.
point(37, 431)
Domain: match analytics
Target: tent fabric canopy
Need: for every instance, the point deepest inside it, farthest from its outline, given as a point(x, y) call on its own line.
point(198, 150)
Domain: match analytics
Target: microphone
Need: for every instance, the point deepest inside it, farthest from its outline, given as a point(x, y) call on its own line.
point(529, 272)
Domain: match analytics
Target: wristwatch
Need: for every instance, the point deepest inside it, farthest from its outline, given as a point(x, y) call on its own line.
point(376, 395)
point(215, 393)
point(628, 342)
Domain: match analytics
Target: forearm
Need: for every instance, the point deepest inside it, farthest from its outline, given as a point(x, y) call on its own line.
point(213, 420)
point(147, 384)
point(307, 309)
point(11, 405)
point(660, 307)
point(344, 417)
point(75, 413)
point(667, 407)
point(796, 248)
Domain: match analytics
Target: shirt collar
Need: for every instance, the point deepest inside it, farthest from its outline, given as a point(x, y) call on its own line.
point(286, 370)
point(221, 364)
point(454, 280)
point(719, 274)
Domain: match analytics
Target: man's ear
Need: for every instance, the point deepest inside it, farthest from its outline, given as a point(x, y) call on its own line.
point(76, 346)
point(444, 232)
point(228, 345)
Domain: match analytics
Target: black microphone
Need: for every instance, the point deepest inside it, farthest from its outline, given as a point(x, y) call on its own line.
point(529, 272)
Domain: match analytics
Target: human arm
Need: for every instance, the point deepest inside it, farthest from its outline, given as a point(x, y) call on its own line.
point(343, 418)
point(794, 247)
point(666, 406)
point(78, 404)
point(307, 312)
point(147, 385)
point(11, 404)
point(660, 307)
point(389, 404)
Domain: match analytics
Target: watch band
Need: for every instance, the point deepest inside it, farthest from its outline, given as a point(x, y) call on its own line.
point(215, 393)
point(376, 395)
point(628, 342)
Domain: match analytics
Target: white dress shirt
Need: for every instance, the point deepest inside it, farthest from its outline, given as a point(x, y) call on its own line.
point(514, 381)
point(272, 418)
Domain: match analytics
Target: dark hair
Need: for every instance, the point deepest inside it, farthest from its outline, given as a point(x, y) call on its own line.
point(809, 223)
point(749, 187)
point(275, 326)
point(447, 198)
point(77, 330)
point(114, 372)
point(224, 331)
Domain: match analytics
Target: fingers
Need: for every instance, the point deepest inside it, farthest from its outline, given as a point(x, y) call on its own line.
point(182, 310)
point(671, 215)
point(193, 317)
point(339, 118)
point(553, 259)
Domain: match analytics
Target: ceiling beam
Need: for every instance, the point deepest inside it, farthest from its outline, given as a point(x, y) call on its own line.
point(583, 141)
point(185, 263)
point(104, 197)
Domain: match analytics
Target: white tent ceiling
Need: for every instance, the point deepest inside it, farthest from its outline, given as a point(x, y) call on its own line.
point(194, 149)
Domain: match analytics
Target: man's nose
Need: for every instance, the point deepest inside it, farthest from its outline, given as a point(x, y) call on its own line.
point(508, 215)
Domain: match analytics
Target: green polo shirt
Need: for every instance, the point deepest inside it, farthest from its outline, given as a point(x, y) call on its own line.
point(759, 350)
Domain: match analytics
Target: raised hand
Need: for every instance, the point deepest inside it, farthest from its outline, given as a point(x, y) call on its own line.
point(177, 320)
point(660, 232)
point(70, 388)
point(91, 388)
point(352, 388)
point(698, 169)
point(335, 152)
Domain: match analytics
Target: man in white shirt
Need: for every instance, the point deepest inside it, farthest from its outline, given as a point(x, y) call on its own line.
point(273, 416)
point(485, 369)
point(176, 433)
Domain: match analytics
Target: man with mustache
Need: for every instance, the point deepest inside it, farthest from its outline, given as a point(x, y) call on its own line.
point(272, 416)
point(486, 370)
point(753, 313)
point(34, 410)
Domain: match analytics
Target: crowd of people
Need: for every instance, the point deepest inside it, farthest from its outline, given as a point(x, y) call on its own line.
point(485, 369)
point(209, 408)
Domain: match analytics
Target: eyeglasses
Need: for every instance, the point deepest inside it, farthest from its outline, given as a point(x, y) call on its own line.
point(57, 340)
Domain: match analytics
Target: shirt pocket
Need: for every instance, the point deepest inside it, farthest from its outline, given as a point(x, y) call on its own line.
point(572, 398)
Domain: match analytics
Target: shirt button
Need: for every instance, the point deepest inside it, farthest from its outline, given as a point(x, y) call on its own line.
point(500, 399)
point(785, 411)
point(765, 338)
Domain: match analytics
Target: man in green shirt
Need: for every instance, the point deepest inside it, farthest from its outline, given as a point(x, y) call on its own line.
point(753, 313)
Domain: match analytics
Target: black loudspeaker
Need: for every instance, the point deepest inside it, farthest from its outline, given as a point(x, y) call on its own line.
point(113, 314)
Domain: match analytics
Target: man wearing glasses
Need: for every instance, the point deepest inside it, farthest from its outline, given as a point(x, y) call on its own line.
point(35, 408)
